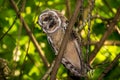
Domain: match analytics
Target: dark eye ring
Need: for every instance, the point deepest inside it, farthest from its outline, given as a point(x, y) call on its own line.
point(46, 18)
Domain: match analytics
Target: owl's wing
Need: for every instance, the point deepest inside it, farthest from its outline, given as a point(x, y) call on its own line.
point(52, 45)
point(73, 59)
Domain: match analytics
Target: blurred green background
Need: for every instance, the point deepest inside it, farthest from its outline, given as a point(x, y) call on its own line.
point(23, 58)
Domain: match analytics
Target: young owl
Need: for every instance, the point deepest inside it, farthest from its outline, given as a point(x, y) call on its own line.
point(54, 24)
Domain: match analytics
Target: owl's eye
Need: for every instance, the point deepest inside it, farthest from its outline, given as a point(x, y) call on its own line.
point(51, 21)
point(47, 18)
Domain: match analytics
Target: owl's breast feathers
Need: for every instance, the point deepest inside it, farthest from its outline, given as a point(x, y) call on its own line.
point(72, 58)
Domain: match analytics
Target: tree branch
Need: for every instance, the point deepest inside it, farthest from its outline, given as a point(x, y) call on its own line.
point(29, 32)
point(106, 43)
point(65, 40)
point(107, 4)
point(106, 34)
point(109, 67)
point(48, 71)
point(8, 29)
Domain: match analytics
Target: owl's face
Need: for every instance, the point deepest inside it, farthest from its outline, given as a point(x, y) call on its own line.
point(49, 21)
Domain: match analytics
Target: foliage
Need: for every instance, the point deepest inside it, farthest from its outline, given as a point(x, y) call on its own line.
point(22, 56)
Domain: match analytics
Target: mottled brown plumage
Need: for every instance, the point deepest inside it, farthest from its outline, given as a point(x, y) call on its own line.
point(54, 25)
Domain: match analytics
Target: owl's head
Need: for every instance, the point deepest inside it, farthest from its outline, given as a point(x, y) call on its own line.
point(50, 21)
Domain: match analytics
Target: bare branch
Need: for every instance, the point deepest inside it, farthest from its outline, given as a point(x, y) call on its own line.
point(29, 32)
point(48, 71)
point(106, 34)
point(117, 29)
point(109, 67)
point(106, 43)
point(8, 29)
point(109, 7)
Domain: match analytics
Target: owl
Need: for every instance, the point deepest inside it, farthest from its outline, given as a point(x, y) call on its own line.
point(54, 24)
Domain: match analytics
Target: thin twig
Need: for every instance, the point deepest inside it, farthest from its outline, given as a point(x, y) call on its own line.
point(8, 29)
point(106, 43)
point(23, 6)
point(68, 8)
point(109, 7)
point(109, 67)
point(91, 5)
point(97, 16)
point(65, 40)
point(29, 32)
point(105, 36)
point(23, 65)
point(48, 71)
point(117, 29)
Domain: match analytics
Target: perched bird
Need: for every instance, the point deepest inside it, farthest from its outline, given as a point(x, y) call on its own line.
point(54, 24)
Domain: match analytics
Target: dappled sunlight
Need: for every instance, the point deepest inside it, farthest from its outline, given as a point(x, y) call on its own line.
point(100, 57)
point(99, 2)
point(107, 52)
point(28, 52)
point(43, 45)
point(16, 54)
point(26, 77)
point(50, 2)
point(28, 10)
point(34, 70)
point(17, 72)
